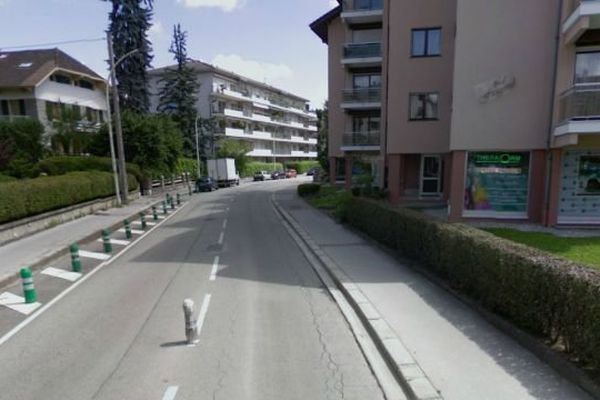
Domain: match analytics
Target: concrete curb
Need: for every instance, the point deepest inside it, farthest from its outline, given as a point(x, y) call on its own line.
point(43, 261)
point(406, 370)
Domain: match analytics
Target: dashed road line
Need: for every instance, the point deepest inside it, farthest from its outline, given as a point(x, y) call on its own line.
point(17, 303)
point(215, 269)
point(221, 237)
point(62, 274)
point(94, 255)
point(170, 393)
point(225, 224)
point(117, 242)
point(203, 311)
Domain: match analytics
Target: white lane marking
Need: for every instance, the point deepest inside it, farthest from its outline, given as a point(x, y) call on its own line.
point(225, 224)
point(94, 255)
point(134, 231)
point(45, 307)
point(221, 237)
point(170, 393)
point(160, 217)
point(62, 274)
point(140, 223)
point(17, 303)
point(215, 268)
point(203, 311)
point(117, 241)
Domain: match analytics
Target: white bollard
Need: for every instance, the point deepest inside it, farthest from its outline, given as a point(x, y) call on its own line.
point(191, 325)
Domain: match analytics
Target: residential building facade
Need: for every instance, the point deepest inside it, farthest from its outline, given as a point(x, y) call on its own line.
point(39, 84)
point(489, 107)
point(277, 124)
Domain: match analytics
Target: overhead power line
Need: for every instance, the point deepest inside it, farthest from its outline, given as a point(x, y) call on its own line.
point(52, 43)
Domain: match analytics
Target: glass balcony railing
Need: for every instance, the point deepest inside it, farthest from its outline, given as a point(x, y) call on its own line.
point(363, 95)
point(362, 139)
point(363, 5)
point(581, 102)
point(362, 50)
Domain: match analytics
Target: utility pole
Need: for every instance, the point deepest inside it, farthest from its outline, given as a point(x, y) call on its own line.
point(118, 129)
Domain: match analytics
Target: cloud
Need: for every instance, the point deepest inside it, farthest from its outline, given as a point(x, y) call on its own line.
point(333, 3)
point(225, 5)
point(157, 28)
point(257, 70)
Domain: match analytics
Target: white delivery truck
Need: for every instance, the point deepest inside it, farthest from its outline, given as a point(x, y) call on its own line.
point(223, 171)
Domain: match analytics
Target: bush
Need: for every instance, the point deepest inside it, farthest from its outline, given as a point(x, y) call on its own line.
point(63, 164)
point(25, 198)
point(253, 167)
point(308, 189)
point(20, 139)
point(188, 165)
point(547, 296)
point(302, 166)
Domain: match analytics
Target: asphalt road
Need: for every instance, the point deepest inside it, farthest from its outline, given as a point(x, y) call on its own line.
point(270, 330)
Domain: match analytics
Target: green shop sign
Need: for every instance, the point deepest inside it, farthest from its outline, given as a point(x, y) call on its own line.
point(509, 159)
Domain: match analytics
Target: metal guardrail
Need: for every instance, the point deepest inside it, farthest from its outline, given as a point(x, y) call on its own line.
point(371, 138)
point(580, 102)
point(365, 95)
point(363, 5)
point(362, 50)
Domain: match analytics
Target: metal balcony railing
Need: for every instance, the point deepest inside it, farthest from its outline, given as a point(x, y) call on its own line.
point(363, 5)
point(360, 139)
point(364, 95)
point(580, 102)
point(362, 50)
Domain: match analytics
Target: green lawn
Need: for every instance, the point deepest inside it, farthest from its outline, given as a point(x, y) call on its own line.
point(583, 250)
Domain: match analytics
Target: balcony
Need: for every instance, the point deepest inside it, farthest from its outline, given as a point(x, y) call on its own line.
point(230, 94)
point(362, 54)
point(584, 15)
point(362, 11)
point(362, 141)
point(579, 110)
point(362, 99)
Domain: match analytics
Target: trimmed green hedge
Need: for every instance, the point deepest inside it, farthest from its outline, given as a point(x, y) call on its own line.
point(550, 297)
point(64, 164)
point(253, 167)
point(28, 197)
point(308, 189)
point(302, 166)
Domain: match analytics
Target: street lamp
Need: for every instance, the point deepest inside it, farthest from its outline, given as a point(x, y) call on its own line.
point(197, 145)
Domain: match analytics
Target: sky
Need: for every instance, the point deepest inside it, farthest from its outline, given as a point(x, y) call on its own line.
point(267, 40)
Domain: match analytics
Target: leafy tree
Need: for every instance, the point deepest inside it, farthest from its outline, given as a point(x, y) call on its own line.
point(130, 21)
point(21, 144)
point(71, 133)
point(236, 149)
point(179, 86)
point(151, 141)
point(323, 137)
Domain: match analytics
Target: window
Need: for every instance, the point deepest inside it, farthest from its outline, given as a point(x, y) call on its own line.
point(4, 107)
point(58, 78)
point(25, 65)
point(366, 124)
point(587, 67)
point(86, 84)
point(424, 106)
point(365, 81)
point(426, 42)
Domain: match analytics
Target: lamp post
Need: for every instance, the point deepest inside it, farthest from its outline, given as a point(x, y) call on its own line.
point(197, 144)
point(121, 171)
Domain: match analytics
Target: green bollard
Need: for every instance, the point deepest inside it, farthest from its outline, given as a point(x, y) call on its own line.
point(106, 241)
point(28, 288)
point(154, 214)
point(164, 206)
point(127, 229)
point(168, 198)
point(178, 199)
point(143, 220)
point(75, 261)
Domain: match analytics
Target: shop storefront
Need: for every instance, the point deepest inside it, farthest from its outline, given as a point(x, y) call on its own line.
point(496, 185)
point(579, 201)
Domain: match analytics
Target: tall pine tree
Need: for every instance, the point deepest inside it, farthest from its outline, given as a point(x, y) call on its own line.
point(178, 93)
point(130, 21)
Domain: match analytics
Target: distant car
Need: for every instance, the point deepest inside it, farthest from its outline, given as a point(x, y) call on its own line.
point(291, 173)
point(206, 184)
point(312, 171)
point(278, 175)
point(261, 176)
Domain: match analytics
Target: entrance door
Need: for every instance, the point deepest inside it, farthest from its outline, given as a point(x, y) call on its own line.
point(431, 175)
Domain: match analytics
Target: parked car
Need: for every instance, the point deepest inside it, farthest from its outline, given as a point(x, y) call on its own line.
point(291, 173)
point(206, 184)
point(312, 171)
point(278, 175)
point(261, 176)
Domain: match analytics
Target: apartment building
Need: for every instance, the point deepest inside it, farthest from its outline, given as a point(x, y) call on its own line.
point(488, 107)
point(277, 124)
point(39, 83)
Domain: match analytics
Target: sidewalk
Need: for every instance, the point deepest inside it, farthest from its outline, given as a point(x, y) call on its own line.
point(463, 356)
point(32, 249)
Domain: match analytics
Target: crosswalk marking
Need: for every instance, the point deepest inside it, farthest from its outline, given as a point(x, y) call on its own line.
point(140, 223)
point(62, 274)
point(94, 255)
point(17, 303)
point(134, 231)
point(117, 241)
